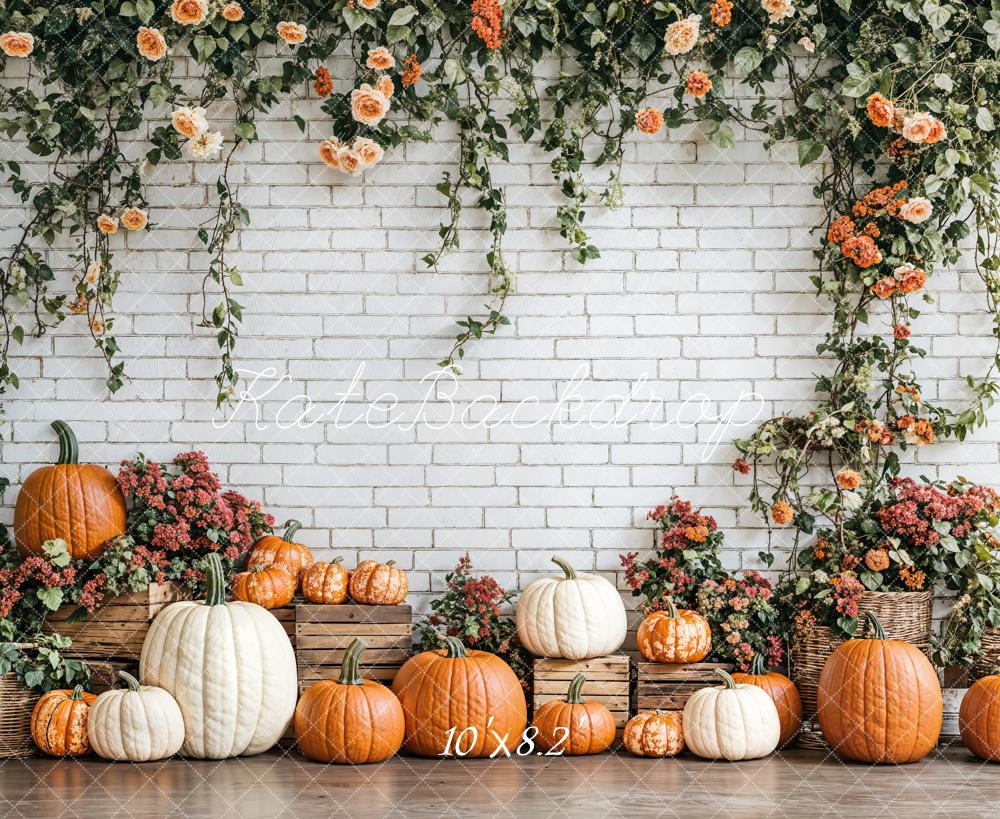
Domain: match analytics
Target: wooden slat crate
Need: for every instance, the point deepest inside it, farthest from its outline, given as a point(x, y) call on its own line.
point(669, 685)
point(104, 673)
point(323, 633)
point(117, 629)
point(286, 617)
point(608, 682)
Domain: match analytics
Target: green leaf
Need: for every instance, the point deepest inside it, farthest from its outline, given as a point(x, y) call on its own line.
point(944, 82)
point(746, 60)
point(857, 86)
point(354, 19)
point(57, 551)
point(51, 598)
point(245, 130)
point(984, 119)
point(402, 16)
point(643, 45)
point(145, 9)
point(809, 151)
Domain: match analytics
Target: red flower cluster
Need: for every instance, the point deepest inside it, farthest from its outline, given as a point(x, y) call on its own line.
point(741, 614)
point(847, 591)
point(920, 506)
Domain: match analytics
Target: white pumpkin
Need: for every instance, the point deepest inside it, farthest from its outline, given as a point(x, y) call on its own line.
point(231, 668)
point(135, 724)
point(734, 722)
point(576, 616)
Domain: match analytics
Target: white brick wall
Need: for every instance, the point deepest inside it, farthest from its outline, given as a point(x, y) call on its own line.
point(702, 290)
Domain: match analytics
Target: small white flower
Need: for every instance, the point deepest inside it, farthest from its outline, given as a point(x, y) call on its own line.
point(772, 41)
point(205, 146)
point(807, 44)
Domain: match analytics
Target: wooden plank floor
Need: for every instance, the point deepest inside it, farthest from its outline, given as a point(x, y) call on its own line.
point(794, 784)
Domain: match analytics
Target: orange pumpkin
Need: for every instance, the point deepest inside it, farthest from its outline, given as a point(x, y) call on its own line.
point(655, 733)
point(674, 636)
point(780, 689)
point(350, 720)
point(979, 718)
point(59, 722)
point(460, 703)
point(269, 586)
point(879, 700)
point(78, 503)
point(572, 726)
point(378, 584)
point(325, 583)
point(272, 550)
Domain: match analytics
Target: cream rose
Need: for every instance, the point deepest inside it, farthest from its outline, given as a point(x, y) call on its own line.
point(292, 33)
point(205, 146)
point(349, 161)
point(682, 35)
point(368, 105)
point(328, 149)
point(380, 59)
point(17, 43)
point(93, 273)
point(369, 151)
point(189, 12)
point(917, 127)
point(151, 43)
point(778, 10)
point(134, 219)
point(107, 224)
point(916, 210)
point(189, 122)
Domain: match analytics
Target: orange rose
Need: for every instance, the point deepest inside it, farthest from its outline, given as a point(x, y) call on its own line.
point(369, 151)
point(134, 219)
point(937, 133)
point(107, 224)
point(848, 479)
point(189, 12)
point(649, 120)
point(884, 288)
point(782, 513)
point(350, 162)
point(880, 111)
point(233, 12)
point(918, 127)
point(385, 85)
point(328, 153)
point(698, 84)
point(93, 273)
point(911, 279)
point(97, 327)
point(189, 122)
point(411, 70)
point(370, 5)
point(380, 59)
point(151, 43)
point(368, 105)
point(17, 43)
point(292, 33)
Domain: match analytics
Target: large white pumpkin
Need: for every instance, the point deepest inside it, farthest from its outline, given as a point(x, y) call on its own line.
point(736, 721)
point(575, 616)
point(231, 668)
point(135, 724)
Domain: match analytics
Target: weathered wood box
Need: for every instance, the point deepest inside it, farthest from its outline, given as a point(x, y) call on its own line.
point(608, 682)
point(668, 686)
point(323, 633)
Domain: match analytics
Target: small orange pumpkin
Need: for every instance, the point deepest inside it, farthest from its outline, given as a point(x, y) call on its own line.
point(655, 733)
point(272, 550)
point(979, 718)
point(572, 726)
point(59, 722)
point(378, 584)
point(780, 689)
point(674, 636)
point(350, 720)
point(326, 583)
point(269, 586)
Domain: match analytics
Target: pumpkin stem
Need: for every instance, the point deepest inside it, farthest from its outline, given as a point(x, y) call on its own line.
point(390, 563)
point(569, 570)
point(727, 681)
point(757, 666)
point(349, 673)
point(875, 625)
point(672, 609)
point(69, 449)
point(455, 648)
point(291, 527)
point(573, 695)
point(338, 559)
point(77, 693)
point(129, 680)
point(216, 580)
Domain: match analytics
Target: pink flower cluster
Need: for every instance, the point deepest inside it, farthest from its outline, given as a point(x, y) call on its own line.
point(34, 571)
point(919, 506)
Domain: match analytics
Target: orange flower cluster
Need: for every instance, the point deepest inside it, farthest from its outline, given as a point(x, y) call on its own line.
point(911, 279)
point(848, 479)
point(900, 331)
point(698, 84)
point(880, 111)
point(884, 288)
point(877, 560)
point(649, 120)
point(821, 548)
point(698, 534)
point(917, 431)
point(912, 577)
point(875, 431)
point(721, 12)
point(782, 513)
point(861, 250)
point(322, 82)
point(487, 22)
point(899, 148)
point(910, 390)
point(411, 70)
point(841, 228)
point(878, 199)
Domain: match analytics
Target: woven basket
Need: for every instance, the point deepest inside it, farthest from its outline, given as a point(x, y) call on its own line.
point(988, 660)
point(16, 705)
point(904, 615)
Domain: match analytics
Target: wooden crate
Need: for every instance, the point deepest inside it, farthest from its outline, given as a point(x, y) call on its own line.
point(104, 673)
point(286, 616)
point(669, 685)
point(117, 629)
point(323, 633)
point(608, 682)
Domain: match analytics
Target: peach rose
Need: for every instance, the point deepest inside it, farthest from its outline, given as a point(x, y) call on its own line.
point(682, 35)
point(151, 43)
point(328, 149)
point(17, 43)
point(233, 12)
point(880, 111)
point(134, 219)
point(292, 33)
point(938, 132)
point(371, 5)
point(368, 105)
point(916, 210)
point(380, 59)
point(917, 127)
point(97, 326)
point(911, 279)
point(93, 273)
point(190, 122)
point(698, 84)
point(107, 224)
point(189, 12)
point(349, 161)
point(649, 120)
point(385, 85)
point(778, 10)
point(369, 151)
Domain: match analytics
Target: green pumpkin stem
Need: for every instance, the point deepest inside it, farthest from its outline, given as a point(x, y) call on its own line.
point(76, 693)
point(129, 680)
point(349, 672)
point(455, 648)
point(337, 559)
point(727, 680)
point(216, 581)
point(672, 609)
point(573, 695)
point(757, 666)
point(569, 570)
point(291, 527)
point(875, 625)
point(69, 448)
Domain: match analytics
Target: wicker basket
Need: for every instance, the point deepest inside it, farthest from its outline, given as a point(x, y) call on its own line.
point(988, 660)
point(16, 705)
point(904, 615)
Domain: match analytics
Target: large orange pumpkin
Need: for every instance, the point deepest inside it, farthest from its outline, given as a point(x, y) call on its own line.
point(350, 720)
point(269, 586)
point(59, 722)
point(655, 733)
point(674, 636)
point(379, 584)
point(272, 550)
point(979, 718)
point(879, 700)
point(780, 689)
point(460, 703)
point(78, 503)
point(325, 583)
point(572, 726)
